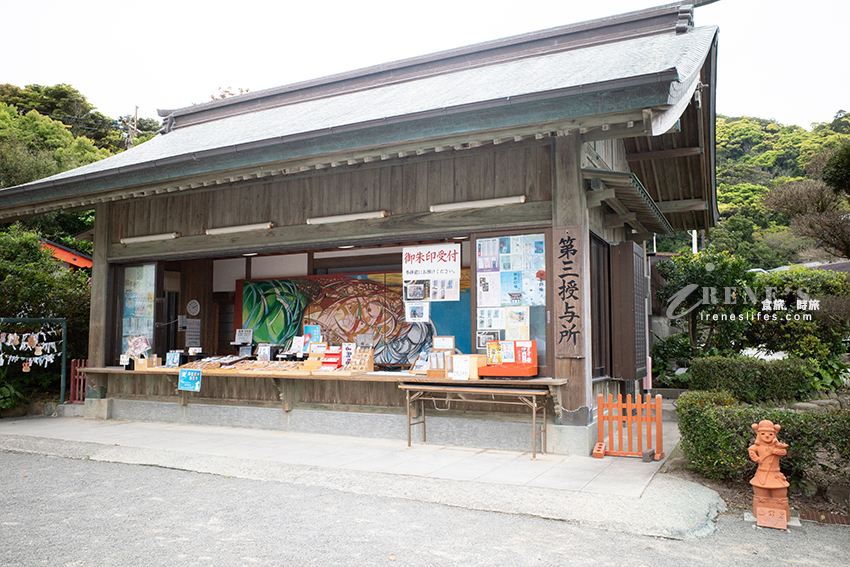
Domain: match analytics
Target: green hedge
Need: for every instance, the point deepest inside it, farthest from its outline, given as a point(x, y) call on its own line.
point(752, 380)
point(716, 432)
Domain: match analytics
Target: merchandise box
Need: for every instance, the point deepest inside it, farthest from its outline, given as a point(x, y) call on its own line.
point(510, 358)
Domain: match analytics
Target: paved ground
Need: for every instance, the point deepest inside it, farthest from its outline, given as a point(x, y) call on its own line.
point(77, 512)
point(611, 493)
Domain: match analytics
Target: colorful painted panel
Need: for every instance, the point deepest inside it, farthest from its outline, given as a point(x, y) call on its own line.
point(347, 306)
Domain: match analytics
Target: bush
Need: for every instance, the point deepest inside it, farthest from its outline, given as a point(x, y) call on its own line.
point(817, 337)
point(667, 355)
point(716, 432)
point(752, 380)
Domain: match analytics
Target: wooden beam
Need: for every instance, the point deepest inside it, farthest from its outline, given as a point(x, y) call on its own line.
point(682, 206)
point(595, 198)
point(618, 206)
point(569, 212)
point(626, 129)
point(664, 154)
point(640, 236)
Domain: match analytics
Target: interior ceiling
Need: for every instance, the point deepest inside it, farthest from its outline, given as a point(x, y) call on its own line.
point(673, 168)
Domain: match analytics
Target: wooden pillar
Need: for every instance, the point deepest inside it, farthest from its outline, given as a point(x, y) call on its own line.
point(100, 302)
point(570, 324)
point(196, 283)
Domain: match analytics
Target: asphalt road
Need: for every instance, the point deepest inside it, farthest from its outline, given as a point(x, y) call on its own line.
point(69, 512)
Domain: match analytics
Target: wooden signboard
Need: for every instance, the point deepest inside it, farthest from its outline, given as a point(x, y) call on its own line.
point(570, 281)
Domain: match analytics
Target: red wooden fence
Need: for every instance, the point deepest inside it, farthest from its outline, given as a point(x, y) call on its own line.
point(77, 395)
point(619, 418)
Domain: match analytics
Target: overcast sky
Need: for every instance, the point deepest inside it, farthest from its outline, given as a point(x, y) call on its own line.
point(777, 58)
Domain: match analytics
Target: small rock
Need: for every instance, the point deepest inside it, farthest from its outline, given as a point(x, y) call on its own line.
point(827, 404)
point(805, 406)
point(36, 408)
point(17, 411)
point(805, 487)
point(838, 495)
point(833, 396)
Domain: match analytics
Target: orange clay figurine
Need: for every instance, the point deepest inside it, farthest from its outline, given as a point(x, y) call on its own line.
point(768, 481)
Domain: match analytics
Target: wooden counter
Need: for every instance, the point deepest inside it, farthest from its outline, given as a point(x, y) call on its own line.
point(372, 390)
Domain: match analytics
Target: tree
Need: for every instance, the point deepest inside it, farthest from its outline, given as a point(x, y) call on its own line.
point(836, 170)
point(33, 146)
point(700, 286)
point(813, 320)
point(816, 212)
point(61, 227)
point(66, 104)
point(37, 285)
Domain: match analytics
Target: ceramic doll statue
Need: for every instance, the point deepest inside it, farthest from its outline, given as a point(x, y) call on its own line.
point(770, 488)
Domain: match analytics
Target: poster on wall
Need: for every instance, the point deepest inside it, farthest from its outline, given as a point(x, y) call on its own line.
point(417, 311)
point(511, 289)
point(484, 337)
point(491, 318)
point(487, 255)
point(138, 304)
point(431, 273)
point(489, 290)
point(193, 333)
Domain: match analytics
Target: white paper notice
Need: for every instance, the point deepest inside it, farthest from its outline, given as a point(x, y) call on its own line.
point(193, 333)
point(460, 367)
point(489, 290)
point(491, 318)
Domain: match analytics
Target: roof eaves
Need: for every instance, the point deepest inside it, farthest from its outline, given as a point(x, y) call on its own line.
point(607, 86)
point(623, 178)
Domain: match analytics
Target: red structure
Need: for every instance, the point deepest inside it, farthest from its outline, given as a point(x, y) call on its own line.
point(73, 258)
point(77, 395)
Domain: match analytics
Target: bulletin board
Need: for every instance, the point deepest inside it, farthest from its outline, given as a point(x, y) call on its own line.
point(510, 287)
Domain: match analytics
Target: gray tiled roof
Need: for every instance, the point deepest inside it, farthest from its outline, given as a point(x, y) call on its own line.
point(589, 68)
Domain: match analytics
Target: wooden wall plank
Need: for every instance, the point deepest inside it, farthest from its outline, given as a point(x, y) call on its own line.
point(402, 187)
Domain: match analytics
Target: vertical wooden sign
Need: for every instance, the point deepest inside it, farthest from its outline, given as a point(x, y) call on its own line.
point(569, 281)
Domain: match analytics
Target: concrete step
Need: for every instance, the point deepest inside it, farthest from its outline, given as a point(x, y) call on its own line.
point(668, 411)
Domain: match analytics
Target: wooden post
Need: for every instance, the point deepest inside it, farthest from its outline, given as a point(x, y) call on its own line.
point(100, 302)
point(570, 219)
point(99, 288)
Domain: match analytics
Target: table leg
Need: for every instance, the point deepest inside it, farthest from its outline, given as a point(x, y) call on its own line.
point(422, 409)
point(533, 427)
point(408, 417)
point(545, 425)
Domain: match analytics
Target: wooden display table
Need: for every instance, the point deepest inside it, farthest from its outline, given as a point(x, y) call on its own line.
point(530, 393)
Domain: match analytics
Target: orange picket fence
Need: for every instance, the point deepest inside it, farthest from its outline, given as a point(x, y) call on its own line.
point(630, 420)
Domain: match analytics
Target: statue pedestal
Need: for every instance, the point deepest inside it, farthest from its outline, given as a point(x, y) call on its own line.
point(771, 512)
